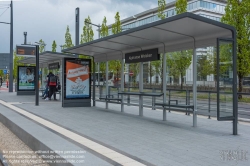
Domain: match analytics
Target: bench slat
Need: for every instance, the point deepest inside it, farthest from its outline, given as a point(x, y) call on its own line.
point(178, 105)
point(104, 98)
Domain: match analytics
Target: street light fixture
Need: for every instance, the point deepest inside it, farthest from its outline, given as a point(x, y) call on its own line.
point(96, 26)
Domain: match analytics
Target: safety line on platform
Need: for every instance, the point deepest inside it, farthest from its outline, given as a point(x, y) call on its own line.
point(102, 150)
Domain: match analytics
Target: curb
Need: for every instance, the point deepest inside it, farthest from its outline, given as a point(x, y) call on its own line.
point(244, 120)
point(28, 139)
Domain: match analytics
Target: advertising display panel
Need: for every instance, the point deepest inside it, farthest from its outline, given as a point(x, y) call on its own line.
point(26, 78)
point(77, 78)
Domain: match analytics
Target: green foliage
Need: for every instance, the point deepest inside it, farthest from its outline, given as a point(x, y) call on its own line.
point(115, 66)
point(181, 6)
point(103, 67)
point(204, 66)
point(134, 67)
point(179, 62)
point(1, 73)
point(16, 63)
point(161, 8)
point(41, 46)
point(68, 40)
point(151, 71)
point(116, 27)
point(237, 14)
point(54, 46)
point(88, 34)
point(104, 28)
point(157, 65)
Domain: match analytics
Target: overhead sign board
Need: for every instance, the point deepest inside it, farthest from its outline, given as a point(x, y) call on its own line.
point(26, 50)
point(142, 56)
point(54, 66)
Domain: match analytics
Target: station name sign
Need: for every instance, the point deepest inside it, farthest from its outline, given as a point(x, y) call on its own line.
point(26, 50)
point(142, 56)
point(54, 66)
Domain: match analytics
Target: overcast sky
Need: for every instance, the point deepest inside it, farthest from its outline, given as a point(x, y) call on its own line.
point(48, 19)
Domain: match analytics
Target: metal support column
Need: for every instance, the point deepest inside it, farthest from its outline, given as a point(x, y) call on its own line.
point(122, 84)
point(141, 89)
point(93, 82)
point(194, 88)
point(98, 68)
point(164, 85)
point(235, 96)
point(37, 76)
point(106, 81)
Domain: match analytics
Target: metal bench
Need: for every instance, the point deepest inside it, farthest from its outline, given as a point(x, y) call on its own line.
point(177, 106)
point(110, 98)
point(187, 107)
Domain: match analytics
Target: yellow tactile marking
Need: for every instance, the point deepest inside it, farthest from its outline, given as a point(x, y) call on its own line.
point(109, 153)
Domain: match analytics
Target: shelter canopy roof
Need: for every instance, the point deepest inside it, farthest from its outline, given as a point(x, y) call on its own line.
point(180, 32)
point(46, 58)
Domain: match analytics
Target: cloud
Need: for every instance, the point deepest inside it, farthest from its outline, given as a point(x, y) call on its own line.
point(48, 19)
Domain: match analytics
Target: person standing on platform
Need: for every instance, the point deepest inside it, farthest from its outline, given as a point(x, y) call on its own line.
point(1, 81)
point(52, 83)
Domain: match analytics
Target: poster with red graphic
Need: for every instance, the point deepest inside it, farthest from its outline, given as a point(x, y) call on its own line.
point(77, 79)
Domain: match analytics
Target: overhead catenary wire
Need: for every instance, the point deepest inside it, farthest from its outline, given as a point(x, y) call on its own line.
point(4, 12)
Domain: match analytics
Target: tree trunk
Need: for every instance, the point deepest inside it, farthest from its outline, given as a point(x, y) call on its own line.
point(240, 86)
point(181, 81)
point(150, 75)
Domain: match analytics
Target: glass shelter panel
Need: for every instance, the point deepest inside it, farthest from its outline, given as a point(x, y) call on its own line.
point(225, 79)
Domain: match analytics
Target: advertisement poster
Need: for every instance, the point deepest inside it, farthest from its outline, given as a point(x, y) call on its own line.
point(26, 77)
point(77, 79)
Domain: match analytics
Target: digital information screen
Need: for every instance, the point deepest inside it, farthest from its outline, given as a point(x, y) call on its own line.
point(26, 78)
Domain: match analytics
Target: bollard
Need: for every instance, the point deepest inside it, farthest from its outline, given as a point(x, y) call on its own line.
point(169, 98)
point(209, 99)
point(128, 97)
point(153, 100)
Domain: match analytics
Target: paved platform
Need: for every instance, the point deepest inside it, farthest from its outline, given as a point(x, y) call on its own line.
point(143, 140)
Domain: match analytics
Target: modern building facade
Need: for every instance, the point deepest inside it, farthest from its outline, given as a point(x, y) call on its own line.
point(212, 9)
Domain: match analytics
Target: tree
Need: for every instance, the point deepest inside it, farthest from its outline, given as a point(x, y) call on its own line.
point(204, 66)
point(134, 67)
point(161, 8)
point(54, 46)
point(157, 65)
point(104, 28)
point(68, 40)
point(179, 63)
point(115, 65)
point(181, 6)
point(88, 34)
point(41, 46)
point(237, 14)
point(151, 71)
point(116, 27)
point(16, 64)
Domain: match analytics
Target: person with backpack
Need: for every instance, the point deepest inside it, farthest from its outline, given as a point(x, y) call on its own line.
point(52, 84)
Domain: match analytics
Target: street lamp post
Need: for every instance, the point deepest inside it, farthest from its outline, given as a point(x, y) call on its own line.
point(61, 47)
point(11, 49)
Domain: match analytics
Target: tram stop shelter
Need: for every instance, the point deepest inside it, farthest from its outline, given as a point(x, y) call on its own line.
point(180, 32)
point(52, 60)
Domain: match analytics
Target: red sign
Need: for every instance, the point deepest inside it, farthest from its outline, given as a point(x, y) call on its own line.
point(131, 73)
